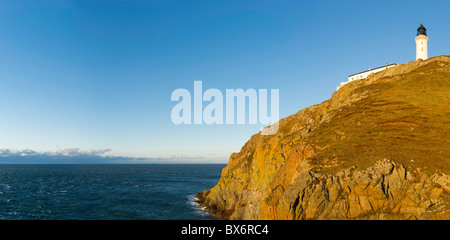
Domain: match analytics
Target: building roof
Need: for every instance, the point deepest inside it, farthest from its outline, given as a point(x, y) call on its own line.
point(421, 30)
point(393, 64)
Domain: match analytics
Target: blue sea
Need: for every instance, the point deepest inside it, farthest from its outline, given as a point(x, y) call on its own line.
point(105, 192)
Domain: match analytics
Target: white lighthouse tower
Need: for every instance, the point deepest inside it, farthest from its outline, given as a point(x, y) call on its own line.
point(421, 43)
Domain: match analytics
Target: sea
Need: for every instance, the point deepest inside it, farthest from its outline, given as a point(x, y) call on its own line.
point(105, 192)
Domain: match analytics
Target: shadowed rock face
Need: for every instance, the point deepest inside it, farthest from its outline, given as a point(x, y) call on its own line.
point(378, 149)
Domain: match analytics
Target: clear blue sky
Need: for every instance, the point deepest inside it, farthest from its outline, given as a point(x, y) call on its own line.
point(97, 75)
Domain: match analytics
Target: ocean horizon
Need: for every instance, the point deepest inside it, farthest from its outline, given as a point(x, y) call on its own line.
point(150, 191)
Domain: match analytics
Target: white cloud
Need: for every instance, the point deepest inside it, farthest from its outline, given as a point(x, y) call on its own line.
point(73, 152)
point(66, 152)
point(93, 156)
point(63, 155)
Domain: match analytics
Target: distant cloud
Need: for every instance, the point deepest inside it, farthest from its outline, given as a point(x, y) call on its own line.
point(73, 152)
point(91, 156)
point(64, 155)
point(67, 152)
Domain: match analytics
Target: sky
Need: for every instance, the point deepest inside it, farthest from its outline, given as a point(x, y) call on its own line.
point(91, 81)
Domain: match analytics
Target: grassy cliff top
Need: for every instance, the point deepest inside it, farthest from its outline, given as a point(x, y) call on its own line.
point(402, 113)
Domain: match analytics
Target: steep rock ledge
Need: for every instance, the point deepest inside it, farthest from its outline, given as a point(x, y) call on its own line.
point(384, 191)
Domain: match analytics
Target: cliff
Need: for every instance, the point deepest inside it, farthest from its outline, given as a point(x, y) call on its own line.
point(377, 149)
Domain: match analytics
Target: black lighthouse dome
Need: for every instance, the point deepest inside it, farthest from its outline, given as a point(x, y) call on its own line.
point(421, 30)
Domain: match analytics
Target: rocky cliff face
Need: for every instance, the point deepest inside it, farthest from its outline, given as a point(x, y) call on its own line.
point(378, 149)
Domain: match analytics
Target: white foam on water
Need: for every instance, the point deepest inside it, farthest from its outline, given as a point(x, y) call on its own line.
point(194, 203)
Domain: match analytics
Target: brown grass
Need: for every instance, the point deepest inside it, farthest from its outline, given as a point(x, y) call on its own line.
point(403, 119)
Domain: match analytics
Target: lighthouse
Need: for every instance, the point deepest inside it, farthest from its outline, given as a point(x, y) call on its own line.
point(421, 43)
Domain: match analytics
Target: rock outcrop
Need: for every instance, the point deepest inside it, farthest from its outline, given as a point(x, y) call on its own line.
point(378, 149)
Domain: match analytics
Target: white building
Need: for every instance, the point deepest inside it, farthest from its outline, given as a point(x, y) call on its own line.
point(421, 44)
point(365, 74)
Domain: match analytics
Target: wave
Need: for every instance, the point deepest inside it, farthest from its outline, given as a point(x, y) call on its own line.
point(193, 202)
